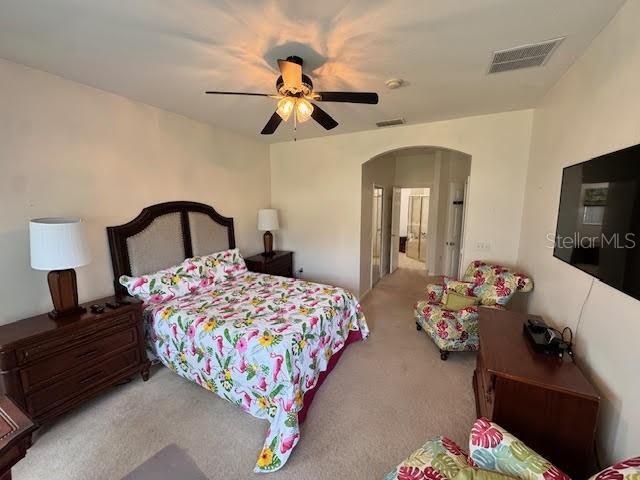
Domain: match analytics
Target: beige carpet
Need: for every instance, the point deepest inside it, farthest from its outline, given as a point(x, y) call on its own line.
point(411, 263)
point(384, 398)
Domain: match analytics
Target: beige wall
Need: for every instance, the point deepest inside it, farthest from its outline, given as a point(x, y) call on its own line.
point(415, 170)
point(67, 149)
point(592, 110)
point(316, 184)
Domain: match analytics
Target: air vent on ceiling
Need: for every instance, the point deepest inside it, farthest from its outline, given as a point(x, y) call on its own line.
point(390, 123)
point(524, 56)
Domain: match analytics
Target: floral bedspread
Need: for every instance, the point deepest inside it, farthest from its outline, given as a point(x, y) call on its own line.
point(259, 341)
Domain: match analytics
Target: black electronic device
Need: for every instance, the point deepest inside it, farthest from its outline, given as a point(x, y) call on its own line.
point(96, 308)
point(545, 339)
point(113, 305)
point(598, 229)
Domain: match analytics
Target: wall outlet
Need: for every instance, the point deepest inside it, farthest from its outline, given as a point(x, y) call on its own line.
point(483, 246)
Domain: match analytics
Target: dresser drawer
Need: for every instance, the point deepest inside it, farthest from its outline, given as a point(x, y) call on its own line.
point(98, 329)
point(51, 396)
point(43, 370)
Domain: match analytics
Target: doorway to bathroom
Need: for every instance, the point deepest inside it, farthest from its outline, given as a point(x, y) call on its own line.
point(410, 228)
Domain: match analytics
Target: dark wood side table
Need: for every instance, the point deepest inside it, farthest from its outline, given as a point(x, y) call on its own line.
point(543, 400)
point(49, 366)
point(15, 436)
point(280, 263)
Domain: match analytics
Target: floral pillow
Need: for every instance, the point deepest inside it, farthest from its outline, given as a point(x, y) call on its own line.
point(438, 459)
point(626, 470)
point(493, 448)
point(462, 288)
point(227, 264)
point(169, 283)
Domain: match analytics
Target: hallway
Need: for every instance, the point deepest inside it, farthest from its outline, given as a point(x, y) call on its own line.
point(411, 263)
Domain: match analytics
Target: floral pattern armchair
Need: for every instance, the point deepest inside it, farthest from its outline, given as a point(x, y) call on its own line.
point(452, 331)
point(498, 454)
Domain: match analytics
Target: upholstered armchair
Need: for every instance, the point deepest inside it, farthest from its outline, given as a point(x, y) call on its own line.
point(457, 330)
point(496, 454)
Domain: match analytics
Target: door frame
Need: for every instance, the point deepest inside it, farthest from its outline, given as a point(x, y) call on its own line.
point(393, 252)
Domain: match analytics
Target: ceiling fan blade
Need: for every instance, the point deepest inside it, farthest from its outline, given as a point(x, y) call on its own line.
point(291, 74)
point(272, 124)
point(347, 97)
point(323, 118)
point(238, 93)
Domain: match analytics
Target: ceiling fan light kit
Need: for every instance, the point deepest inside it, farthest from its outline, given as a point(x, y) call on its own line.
point(295, 93)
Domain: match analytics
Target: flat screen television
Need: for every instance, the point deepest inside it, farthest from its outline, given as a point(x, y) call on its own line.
point(598, 229)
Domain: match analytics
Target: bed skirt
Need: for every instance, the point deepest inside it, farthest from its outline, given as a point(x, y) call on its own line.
point(354, 336)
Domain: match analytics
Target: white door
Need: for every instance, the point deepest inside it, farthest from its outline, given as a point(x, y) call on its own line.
point(465, 207)
point(395, 229)
point(454, 229)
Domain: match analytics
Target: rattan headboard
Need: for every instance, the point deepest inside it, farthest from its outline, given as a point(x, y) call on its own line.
point(164, 235)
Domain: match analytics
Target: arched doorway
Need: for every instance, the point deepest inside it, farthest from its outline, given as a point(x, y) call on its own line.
point(412, 199)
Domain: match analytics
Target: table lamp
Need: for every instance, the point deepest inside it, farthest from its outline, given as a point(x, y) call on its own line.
point(267, 221)
point(59, 245)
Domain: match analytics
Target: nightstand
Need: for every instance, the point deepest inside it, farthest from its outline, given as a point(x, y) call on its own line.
point(15, 436)
point(279, 263)
point(49, 366)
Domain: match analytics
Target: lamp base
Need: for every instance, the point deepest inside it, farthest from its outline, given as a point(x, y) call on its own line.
point(64, 293)
point(268, 244)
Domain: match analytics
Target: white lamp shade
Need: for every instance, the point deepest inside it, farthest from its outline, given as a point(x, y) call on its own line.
point(268, 219)
point(58, 243)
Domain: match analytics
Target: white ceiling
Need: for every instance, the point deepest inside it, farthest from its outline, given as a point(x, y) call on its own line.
point(168, 53)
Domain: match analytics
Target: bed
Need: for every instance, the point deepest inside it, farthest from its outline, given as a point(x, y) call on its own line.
point(262, 342)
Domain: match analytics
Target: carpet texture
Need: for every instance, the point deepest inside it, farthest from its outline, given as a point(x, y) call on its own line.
point(384, 398)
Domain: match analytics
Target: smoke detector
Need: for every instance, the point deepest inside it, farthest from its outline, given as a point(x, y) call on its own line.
point(394, 83)
point(524, 56)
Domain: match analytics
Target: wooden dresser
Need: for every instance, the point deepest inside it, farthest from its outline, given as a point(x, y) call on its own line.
point(49, 366)
point(544, 401)
point(280, 263)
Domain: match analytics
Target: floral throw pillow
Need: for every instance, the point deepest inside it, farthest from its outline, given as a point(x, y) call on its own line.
point(625, 470)
point(169, 283)
point(438, 459)
point(462, 288)
point(227, 264)
point(493, 448)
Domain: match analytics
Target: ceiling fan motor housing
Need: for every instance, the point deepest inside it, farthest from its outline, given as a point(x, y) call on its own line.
point(307, 87)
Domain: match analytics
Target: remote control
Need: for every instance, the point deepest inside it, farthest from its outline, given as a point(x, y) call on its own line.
point(97, 308)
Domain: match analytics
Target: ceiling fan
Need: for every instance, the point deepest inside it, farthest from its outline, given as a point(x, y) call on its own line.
point(295, 93)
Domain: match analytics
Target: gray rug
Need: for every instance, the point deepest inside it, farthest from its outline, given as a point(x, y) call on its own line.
point(170, 463)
